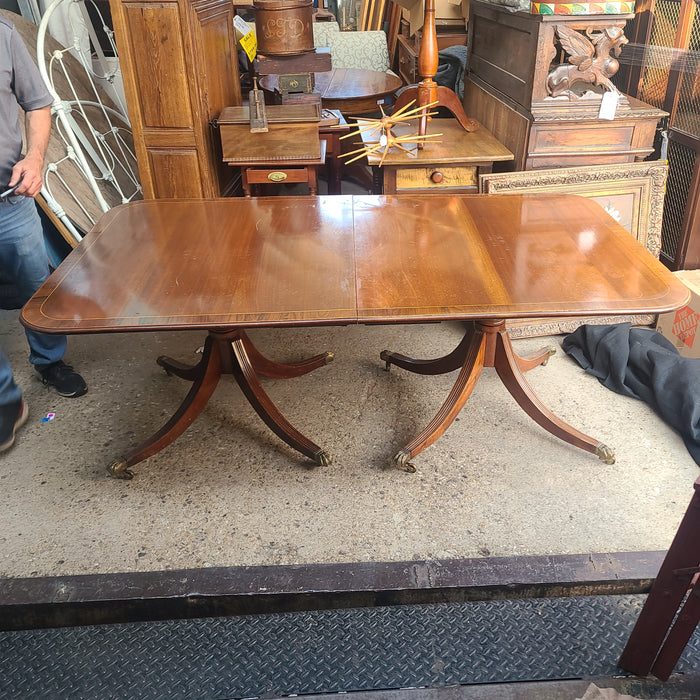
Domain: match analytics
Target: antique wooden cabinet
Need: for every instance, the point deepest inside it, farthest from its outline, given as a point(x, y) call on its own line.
point(522, 86)
point(180, 69)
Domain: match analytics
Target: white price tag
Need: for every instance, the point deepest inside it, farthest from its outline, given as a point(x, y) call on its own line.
point(240, 25)
point(608, 105)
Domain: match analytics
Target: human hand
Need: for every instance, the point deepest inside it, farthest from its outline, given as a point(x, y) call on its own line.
point(27, 175)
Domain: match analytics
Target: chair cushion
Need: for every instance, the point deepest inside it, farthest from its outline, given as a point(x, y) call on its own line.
point(367, 50)
point(321, 32)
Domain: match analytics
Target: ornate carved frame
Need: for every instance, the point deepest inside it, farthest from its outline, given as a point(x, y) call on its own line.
point(639, 186)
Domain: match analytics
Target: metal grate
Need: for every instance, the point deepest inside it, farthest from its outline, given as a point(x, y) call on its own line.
point(327, 651)
point(681, 160)
point(658, 60)
point(687, 114)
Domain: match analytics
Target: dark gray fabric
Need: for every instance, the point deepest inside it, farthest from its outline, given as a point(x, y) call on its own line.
point(20, 83)
point(641, 363)
point(452, 62)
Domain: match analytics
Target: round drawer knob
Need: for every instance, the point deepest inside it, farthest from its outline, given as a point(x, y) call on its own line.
point(436, 177)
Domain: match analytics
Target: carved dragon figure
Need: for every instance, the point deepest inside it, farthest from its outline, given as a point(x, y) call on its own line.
point(589, 57)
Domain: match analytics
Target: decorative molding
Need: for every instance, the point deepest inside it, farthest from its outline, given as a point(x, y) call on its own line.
point(530, 329)
point(566, 114)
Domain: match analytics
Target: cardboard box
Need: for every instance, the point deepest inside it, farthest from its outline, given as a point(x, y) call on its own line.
point(447, 13)
point(682, 327)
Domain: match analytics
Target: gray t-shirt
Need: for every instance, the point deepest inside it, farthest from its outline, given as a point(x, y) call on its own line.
point(20, 83)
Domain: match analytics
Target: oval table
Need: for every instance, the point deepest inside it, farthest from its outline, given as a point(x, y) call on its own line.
point(350, 90)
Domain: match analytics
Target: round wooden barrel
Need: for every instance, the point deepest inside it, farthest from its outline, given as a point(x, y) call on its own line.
point(283, 27)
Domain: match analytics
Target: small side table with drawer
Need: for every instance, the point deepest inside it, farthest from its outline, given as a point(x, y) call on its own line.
point(451, 162)
point(278, 171)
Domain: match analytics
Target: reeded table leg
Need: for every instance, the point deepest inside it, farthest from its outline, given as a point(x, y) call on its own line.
point(466, 381)
point(487, 344)
point(227, 353)
point(277, 370)
point(506, 364)
point(441, 365)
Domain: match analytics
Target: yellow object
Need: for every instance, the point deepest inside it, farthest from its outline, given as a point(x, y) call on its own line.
point(246, 37)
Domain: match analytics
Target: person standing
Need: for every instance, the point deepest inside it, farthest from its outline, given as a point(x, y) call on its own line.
point(23, 257)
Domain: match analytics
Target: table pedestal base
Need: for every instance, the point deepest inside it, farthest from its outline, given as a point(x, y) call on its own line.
point(487, 344)
point(230, 352)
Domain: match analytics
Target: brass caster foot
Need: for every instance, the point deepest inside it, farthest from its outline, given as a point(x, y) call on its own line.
point(323, 458)
point(605, 453)
point(119, 470)
point(330, 356)
point(401, 461)
point(552, 349)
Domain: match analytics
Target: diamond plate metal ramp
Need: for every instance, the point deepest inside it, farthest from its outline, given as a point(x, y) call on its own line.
point(327, 651)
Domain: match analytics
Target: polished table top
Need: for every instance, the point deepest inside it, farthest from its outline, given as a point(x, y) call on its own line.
point(290, 261)
point(230, 264)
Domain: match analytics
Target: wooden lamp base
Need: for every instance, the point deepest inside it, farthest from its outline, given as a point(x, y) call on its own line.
point(428, 92)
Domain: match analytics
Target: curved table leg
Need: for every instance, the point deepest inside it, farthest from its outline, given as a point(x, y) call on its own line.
point(468, 376)
point(247, 379)
point(534, 359)
point(209, 372)
point(507, 366)
point(226, 353)
point(488, 344)
point(440, 365)
point(277, 370)
point(263, 366)
point(446, 98)
point(179, 369)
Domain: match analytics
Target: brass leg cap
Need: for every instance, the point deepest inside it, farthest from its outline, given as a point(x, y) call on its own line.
point(605, 453)
point(119, 470)
point(323, 458)
point(384, 355)
point(401, 461)
point(552, 350)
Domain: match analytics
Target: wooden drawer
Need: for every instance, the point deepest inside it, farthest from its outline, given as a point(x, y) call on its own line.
point(435, 177)
point(408, 61)
point(568, 139)
point(261, 176)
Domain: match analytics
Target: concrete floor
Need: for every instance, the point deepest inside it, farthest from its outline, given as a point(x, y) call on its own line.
point(228, 492)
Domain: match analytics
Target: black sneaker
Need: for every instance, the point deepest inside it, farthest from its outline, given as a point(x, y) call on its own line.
point(12, 417)
point(63, 378)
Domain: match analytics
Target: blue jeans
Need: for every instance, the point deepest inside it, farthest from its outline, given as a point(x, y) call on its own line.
point(24, 261)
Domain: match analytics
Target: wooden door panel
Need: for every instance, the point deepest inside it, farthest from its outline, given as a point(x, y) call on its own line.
point(176, 173)
point(155, 35)
point(215, 61)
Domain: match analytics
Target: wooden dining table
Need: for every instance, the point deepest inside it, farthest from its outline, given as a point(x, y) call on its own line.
point(229, 265)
